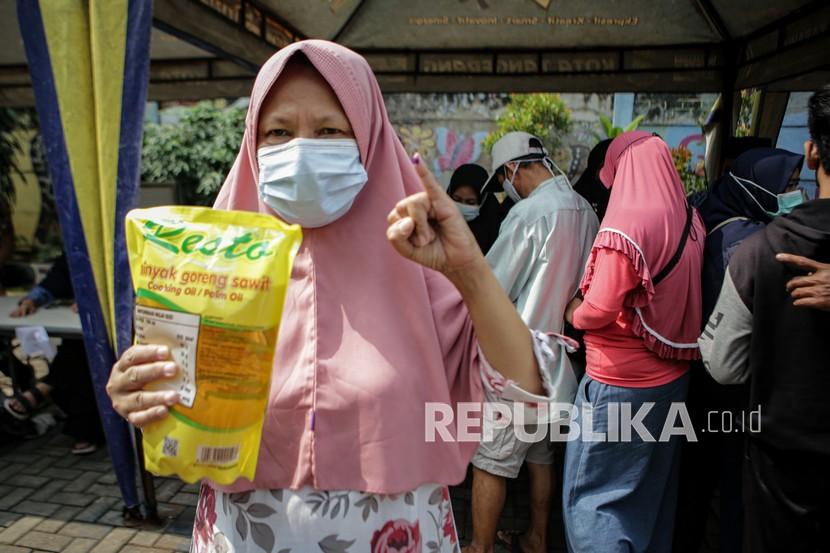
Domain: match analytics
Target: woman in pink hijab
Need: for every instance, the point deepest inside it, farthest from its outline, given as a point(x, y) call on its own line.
point(369, 343)
point(641, 316)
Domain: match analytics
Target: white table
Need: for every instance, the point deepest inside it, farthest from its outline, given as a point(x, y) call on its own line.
point(59, 322)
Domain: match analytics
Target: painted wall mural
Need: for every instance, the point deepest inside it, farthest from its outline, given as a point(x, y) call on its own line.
point(454, 149)
point(447, 129)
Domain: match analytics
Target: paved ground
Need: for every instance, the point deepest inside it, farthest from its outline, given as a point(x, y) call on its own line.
point(51, 500)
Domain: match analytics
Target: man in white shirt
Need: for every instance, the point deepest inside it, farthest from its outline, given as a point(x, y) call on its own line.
point(539, 258)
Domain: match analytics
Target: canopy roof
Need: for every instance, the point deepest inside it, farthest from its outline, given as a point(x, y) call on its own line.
point(211, 48)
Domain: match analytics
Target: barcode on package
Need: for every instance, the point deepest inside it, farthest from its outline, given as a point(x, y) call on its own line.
point(218, 456)
point(170, 447)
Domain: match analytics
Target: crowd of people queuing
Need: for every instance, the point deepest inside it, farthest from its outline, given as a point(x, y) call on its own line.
point(671, 316)
point(721, 303)
point(722, 306)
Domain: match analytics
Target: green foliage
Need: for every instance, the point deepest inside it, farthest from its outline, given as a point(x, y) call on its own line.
point(196, 152)
point(693, 179)
point(20, 141)
point(542, 115)
point(750, 100)
point(612, 132)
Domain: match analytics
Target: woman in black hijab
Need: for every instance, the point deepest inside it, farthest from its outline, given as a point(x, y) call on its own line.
point(484, 215)
point(589, 186)
point(739, 204)
point(465, 189)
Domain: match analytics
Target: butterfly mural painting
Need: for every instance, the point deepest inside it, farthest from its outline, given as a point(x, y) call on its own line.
point(455, 149)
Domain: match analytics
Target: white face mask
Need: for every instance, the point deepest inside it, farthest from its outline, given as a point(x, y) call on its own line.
point(507, 185)
point(787, 201)
point(511, 191)
point(469, 212)
point(311, 181)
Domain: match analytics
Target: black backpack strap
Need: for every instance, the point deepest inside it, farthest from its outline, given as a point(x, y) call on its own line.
point(679, 253)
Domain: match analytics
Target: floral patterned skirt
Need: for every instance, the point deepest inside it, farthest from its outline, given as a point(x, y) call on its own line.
point(306, 520)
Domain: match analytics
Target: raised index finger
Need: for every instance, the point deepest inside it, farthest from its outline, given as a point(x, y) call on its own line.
point(140, 354)
point(431, 187)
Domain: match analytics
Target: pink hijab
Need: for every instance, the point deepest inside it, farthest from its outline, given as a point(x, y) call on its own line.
point(645, 221)
point(367, 337)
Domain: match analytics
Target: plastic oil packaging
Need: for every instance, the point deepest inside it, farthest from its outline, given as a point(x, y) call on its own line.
point(210, 285)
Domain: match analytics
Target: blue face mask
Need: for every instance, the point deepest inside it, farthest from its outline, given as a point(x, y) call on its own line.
point(310, 181)
point(469, 212)
point(787, 201)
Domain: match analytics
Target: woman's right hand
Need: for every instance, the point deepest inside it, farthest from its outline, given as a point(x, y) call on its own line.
point(428, 229)
point(139, 366)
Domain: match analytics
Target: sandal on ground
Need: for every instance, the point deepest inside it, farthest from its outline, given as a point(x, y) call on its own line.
point(510, 541)
point(29, 407)
point(84, 448)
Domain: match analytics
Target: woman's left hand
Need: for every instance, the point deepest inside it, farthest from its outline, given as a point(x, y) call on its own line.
point(428, 228)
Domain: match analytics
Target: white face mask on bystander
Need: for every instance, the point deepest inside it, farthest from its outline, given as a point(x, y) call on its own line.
point(469, 212)
point(507, 185)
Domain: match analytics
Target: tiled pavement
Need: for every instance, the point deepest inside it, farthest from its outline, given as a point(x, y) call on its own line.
point(51, 500)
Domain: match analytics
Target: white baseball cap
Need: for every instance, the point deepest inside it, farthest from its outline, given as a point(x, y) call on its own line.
point(513, 146)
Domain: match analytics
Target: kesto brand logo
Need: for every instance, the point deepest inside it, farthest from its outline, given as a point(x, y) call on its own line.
point(176, 240)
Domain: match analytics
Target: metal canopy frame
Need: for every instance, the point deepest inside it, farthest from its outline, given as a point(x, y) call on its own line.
point(788, 54)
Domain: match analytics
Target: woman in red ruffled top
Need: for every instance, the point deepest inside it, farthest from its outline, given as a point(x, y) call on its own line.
point(641, 315)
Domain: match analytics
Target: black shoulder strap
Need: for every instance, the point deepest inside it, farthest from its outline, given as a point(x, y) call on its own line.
point(679, 253)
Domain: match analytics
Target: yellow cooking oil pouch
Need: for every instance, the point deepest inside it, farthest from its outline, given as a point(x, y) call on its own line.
point(210, 285)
